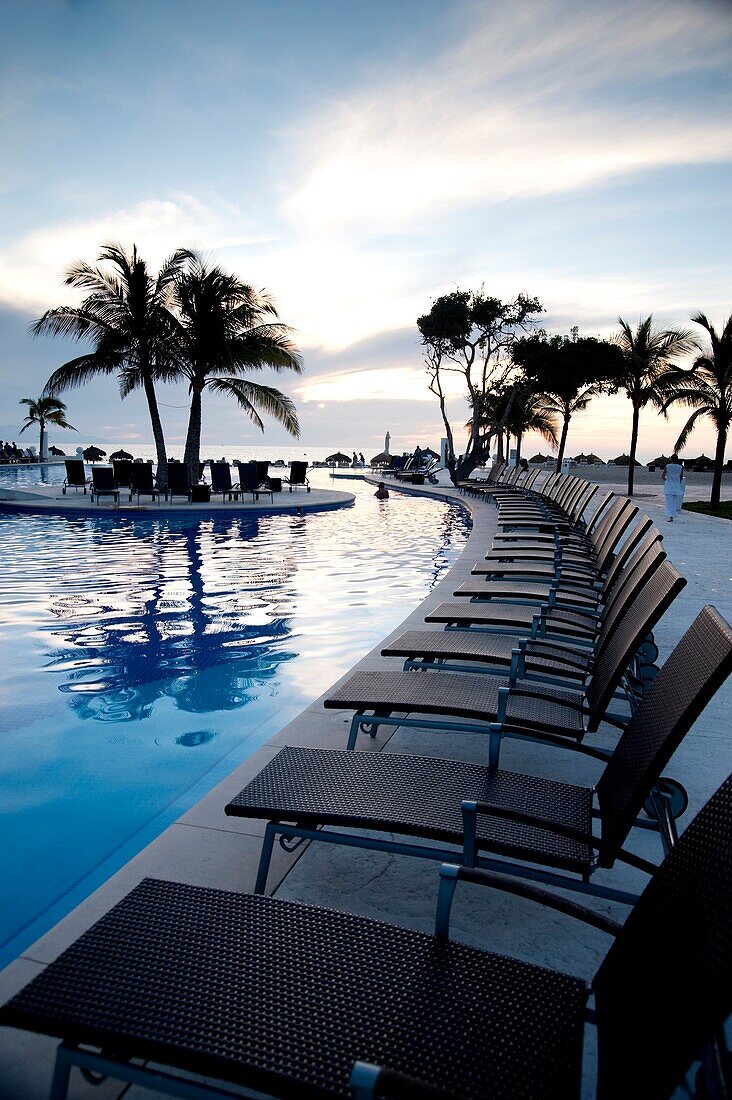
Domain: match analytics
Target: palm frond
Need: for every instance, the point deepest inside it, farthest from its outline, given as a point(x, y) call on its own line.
point(254, 398)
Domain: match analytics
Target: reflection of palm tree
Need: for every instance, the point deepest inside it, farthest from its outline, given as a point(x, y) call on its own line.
point(214, 665)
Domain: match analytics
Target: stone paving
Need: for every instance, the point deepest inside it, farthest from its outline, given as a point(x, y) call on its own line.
point(205, 847)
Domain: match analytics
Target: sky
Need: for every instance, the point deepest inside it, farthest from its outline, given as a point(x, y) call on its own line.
point(357, 161)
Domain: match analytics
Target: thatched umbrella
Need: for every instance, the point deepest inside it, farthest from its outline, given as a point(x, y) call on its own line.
point(624, 460)
point(121, 456)
point(661, 462)
point(93, 454)
point(539, 458)
point(701, 465)
point(430, 452)
point(57, 452)
point(337, 459)
point(383, 459)
point(594, 460)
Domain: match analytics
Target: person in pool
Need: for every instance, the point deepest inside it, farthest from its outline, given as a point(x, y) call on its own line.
point(382, 493)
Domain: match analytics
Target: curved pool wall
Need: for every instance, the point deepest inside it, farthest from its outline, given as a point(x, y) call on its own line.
point(141, 660)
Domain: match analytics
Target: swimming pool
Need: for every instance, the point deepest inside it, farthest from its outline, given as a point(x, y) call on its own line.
point(142, 659)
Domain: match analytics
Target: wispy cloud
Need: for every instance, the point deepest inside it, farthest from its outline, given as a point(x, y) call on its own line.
point(32, 267)
point(533, 98)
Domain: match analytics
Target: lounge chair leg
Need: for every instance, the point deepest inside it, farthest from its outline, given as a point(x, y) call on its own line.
point(353, 732)
point(260, 885)
point(61, 1072)
point(494, 747)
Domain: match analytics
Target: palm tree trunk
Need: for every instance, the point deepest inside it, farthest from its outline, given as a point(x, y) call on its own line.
point(633, 445)
point(157, 430)
point(519, 437)
point(714, 499)
point(42, 440)
point(192, 454)
point(562, 442)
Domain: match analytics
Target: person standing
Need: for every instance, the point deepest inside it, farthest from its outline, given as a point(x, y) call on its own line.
point(673, 487)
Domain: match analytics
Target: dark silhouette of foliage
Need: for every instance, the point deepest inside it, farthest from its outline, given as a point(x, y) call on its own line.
point(45, 410)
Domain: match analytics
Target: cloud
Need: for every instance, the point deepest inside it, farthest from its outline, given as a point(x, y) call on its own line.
point(32, 267)
point(533, 99)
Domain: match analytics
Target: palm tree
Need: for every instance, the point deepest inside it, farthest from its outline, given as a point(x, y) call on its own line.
point(45, 410)
point(532, 412)
point(225, 330)
point(707, 388)
point(648, 353)
point(127, 317)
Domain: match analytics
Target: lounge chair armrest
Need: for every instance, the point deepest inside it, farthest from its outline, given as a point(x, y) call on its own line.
point(543, 647)
point(450, 875)
point(530, 689)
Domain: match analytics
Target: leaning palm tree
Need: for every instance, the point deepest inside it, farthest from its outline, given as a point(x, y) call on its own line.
point(126, 316)
point(707, 389)
point(224, 331)
point(45, 410)
point(648, 353)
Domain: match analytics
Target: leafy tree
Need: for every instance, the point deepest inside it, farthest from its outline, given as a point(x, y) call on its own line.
point(469, 334)
point(126, 316)
point(647, 354)
point(520, 411)
point(706, 388)
point(45, 410)
point(224, 331)
point(567, 373)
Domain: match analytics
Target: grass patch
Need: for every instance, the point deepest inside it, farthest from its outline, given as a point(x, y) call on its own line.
point(724, 511)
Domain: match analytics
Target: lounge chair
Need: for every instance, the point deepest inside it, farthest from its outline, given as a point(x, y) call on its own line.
point(75, 475)
point(263, 475)
point(122, 472)
point(103, 484)
point(221, 481)
point(179, 484)
point(283, 998)
point(471, 703)
point(491, 813)
point(249, 481)
point(298, 476)
point(143, 484)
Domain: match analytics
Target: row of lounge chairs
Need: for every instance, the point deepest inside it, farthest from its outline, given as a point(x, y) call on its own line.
point(137, 479)
point(295, 1000)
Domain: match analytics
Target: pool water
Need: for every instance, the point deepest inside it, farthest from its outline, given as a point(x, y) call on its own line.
point(142, 659)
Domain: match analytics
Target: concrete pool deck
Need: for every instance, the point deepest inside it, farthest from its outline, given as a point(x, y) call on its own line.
point(205, 847)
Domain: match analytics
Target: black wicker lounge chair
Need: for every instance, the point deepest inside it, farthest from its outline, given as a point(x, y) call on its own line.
point(179, 484)
point(103, 484)
point(221, 481)
point(298, 476)
point(75, 475)
point(470, 703)
point(491, 813)
point(122, 472)
point(142, 483)
point(284, 998)
point(249, 481)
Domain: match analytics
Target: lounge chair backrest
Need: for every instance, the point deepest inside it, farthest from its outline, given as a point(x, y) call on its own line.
point(249, 477)
point(607, 542)
point(220, 477)
point(178, 481)
point(644, 611)
point(665, 986)
point(103, 478)
point(298, 473)
point(263, 472)
point(646, 559)
point(122, 472)
point(608, 518)
point(621, 559)
point(579, 504)
point(141, 478)
point(75, 473)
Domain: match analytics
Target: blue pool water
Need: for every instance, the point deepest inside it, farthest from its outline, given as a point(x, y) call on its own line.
point(142, 659)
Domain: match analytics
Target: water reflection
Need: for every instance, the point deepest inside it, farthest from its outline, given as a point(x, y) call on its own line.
point(186, 613)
